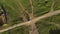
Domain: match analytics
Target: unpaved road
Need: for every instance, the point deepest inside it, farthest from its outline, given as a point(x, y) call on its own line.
point(32, 21)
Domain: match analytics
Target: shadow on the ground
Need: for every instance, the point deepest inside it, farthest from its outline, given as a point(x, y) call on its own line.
point(54, 31)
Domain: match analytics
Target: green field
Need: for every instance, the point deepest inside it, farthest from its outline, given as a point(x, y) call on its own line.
point(41, 7)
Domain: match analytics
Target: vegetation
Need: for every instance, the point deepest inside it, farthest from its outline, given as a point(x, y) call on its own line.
point(19, 11)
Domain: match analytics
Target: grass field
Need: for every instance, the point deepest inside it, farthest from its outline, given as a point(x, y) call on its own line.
point(40, 7)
